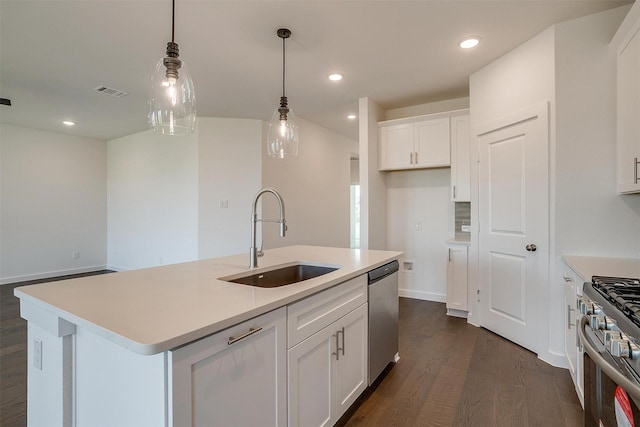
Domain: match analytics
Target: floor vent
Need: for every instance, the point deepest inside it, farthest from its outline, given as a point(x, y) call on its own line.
point(110, 91)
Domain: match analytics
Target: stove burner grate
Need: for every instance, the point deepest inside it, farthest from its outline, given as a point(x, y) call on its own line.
point(622, 293)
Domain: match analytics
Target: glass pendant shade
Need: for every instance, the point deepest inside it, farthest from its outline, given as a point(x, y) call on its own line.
point(172, 106)
point(282, 136)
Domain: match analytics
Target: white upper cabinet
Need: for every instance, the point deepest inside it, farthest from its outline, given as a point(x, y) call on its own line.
point(417, 143)
point(396, 147)
point(627, 41)
point(460, 160)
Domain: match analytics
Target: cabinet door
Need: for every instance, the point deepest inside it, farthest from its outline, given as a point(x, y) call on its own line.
point(570, 345)
point(351, 364)
point(227, 380)
point(460, 160)
point(328, 371)
point(310, 385)
point(396, 146)
point(431, 143)
point(457, 278)
point(628, 114)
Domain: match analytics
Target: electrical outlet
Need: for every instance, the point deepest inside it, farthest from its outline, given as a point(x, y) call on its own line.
point(223, 204)
point(76, 255)
point(466, 228)
point(407, 266)
point(37, 353)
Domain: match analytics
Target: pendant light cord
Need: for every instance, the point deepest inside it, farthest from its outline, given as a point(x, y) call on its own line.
point(173, 19)
point(283, 67)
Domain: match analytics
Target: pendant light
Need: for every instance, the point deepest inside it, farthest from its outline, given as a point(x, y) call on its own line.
point(282, 137)
point(172, 106)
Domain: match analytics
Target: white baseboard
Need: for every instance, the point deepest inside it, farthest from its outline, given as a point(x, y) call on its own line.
point(50, 274)
point(457, 313)
point(427, 296)
point(554, 359)
point(116, 268)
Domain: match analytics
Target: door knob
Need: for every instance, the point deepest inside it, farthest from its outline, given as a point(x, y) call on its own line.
point(531, 247)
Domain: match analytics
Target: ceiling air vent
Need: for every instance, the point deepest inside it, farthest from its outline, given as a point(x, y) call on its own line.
point(110, 91)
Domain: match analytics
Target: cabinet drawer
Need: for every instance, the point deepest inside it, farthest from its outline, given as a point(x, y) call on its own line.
point(306, 317)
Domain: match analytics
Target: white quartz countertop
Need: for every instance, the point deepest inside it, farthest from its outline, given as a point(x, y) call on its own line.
point(459, 241)
point(152, 310)
point(587, 266)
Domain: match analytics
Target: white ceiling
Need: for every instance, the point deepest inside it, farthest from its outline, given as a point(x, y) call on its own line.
point(398, 53)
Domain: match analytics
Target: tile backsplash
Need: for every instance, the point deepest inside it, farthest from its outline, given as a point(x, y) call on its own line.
point(463, 217)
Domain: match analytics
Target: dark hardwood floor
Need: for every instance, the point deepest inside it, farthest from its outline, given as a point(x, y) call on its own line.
point(453, 374)
point(449, 374)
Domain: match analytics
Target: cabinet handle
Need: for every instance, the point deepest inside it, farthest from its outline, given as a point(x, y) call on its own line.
point(449, 254)
point(635, 170)
point(411, 158)
point(342, 331)
point(337, 353)
point(416, 157)
point(567, 279)
point(454, 191)
point(233, 340)
point(569, 311)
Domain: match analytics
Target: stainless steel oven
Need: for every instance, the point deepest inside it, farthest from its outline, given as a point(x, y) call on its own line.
point(609, 332)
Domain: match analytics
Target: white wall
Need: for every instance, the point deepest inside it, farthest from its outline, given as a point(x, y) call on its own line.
point(53, 204)
point(230, 170)
point(588, 217)
point(522, 78)
point(315, 188)
point(373, 195)
point(571, 66)
point(420, 219)
point(152, 200)
point(591, 218)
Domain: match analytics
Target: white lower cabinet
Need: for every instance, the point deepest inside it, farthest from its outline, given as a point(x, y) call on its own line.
point(327, 358)
point(328, 371)
point(572, 348)
point(457, 281)
point(236, 377)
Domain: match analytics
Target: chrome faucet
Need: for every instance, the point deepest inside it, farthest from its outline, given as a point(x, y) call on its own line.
point(253, 251)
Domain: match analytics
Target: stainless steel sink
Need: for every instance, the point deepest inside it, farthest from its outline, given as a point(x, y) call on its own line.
point(281, 276)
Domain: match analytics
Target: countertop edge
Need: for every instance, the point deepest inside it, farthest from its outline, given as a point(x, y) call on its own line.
point(588, 266)
point(199, 333)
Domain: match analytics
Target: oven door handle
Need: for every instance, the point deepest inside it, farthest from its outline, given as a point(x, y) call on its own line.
point(630, 387)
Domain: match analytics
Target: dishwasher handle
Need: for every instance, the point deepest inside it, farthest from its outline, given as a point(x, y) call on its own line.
point(384, 271)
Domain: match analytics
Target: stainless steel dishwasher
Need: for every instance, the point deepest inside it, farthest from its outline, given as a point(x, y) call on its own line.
point(383, 318)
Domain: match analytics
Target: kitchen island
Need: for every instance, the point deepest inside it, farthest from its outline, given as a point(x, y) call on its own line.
point(117, 349)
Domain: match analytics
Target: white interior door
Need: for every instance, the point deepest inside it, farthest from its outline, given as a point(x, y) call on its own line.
point(514, 215)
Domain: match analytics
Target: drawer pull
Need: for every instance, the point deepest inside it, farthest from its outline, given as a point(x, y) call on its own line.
point(233, 340)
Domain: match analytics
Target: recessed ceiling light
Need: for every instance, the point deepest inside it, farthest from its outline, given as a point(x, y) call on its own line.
point(68, 123)
point(469, 42)
point(351, 116)
point(335, 77)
